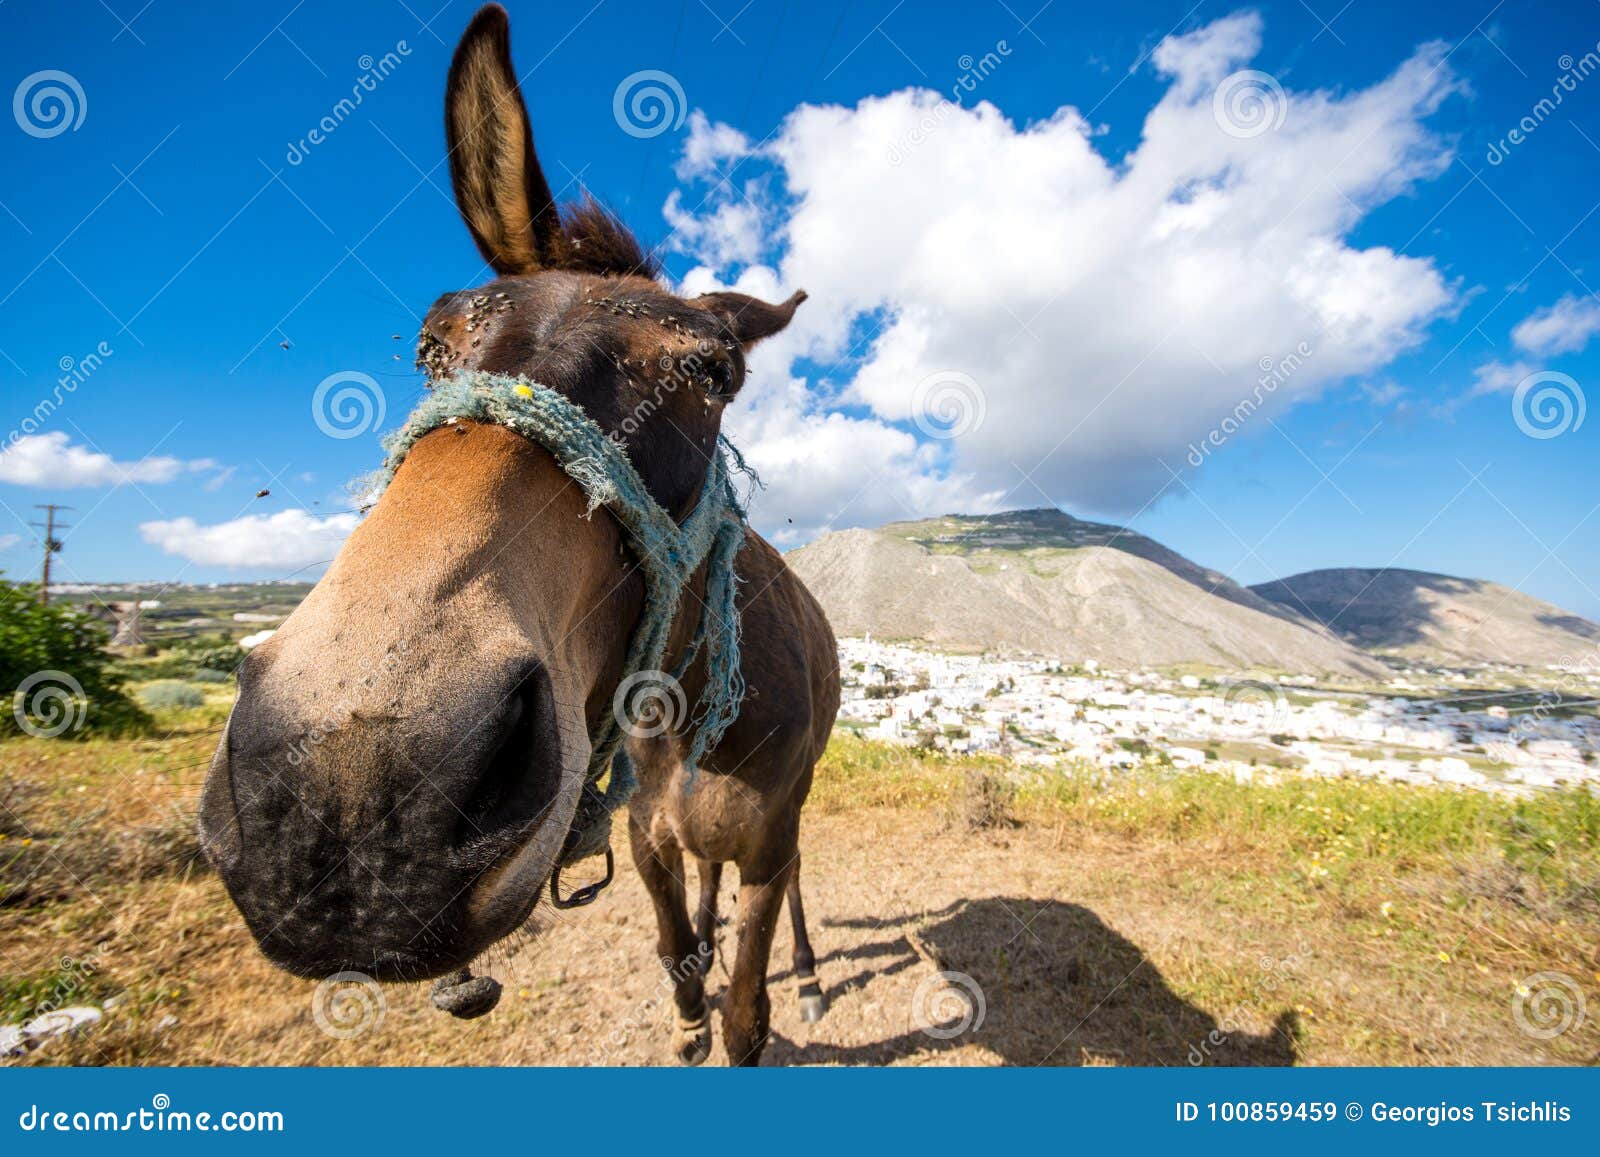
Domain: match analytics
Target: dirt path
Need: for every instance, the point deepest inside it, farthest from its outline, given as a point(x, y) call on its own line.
point(1055, 949)
point(1112, 952)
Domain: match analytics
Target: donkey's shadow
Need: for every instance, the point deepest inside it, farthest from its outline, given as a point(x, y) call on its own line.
point(1037, 982)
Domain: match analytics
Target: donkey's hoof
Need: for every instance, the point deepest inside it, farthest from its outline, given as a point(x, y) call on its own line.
point(812, 1003)
point(693, 1040)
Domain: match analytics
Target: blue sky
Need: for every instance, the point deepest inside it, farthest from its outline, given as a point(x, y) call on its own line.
point(189, 227)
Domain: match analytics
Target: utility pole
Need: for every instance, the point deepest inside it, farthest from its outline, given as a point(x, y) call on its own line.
point(52, 544)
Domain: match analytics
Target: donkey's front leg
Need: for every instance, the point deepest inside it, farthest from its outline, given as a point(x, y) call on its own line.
point(745, 1018)
point(661, 866)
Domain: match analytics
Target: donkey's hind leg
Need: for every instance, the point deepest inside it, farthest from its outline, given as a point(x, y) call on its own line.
point(661, 866)
point(705, 919)
point(746, 1010)
point(812, 1002)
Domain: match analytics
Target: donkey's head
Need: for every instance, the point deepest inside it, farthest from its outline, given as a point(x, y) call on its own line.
point(407, 751)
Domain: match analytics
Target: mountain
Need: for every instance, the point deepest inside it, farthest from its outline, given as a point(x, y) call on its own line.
point(1435, 617)
point(1043, 581)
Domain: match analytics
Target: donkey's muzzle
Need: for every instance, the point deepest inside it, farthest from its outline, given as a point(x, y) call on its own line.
point(355, 843)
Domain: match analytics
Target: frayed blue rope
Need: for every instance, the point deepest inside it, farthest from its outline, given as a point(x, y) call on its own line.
point(669, 555)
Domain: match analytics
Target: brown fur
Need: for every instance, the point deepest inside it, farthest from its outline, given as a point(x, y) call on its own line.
point(404, 760)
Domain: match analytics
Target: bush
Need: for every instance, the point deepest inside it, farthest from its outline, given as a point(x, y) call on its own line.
point(55, 657)
point(985, 802)
point(208, 675)
point(217, 652)
point(169, 693)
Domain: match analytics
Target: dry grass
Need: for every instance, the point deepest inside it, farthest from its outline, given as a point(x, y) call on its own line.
point(1150, 920)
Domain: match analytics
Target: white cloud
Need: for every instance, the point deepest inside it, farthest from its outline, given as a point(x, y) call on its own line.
point(709, 146)
point(731, 233)
point(50, 460)
point(1498, 377)
point(7, 541)
point(287, 540)
point(1202, 58)
point(1562, 328)
point(1110, 312)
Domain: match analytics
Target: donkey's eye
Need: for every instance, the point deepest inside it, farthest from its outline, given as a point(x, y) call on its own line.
point(720, 375)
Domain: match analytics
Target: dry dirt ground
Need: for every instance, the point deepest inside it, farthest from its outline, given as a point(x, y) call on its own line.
point(1073, 950)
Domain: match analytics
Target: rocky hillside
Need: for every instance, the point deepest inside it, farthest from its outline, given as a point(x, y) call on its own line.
point(1433, 617)
point(1043, 581)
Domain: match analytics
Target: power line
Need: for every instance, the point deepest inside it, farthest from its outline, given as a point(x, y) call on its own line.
point(52, 544)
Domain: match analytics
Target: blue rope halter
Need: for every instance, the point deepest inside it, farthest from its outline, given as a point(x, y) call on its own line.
point(668, 554)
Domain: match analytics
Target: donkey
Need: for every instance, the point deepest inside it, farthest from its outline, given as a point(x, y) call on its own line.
point(405, 760)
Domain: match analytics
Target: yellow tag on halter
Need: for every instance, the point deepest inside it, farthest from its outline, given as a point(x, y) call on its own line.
point(522, 391)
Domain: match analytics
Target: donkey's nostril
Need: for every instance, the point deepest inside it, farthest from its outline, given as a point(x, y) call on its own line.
point(521, 773)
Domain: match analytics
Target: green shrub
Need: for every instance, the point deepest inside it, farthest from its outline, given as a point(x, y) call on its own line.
point(208, 675)
point(215, 652)
point(170, 693)
point(56, 678)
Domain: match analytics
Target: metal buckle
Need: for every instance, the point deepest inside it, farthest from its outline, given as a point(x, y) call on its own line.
point(585, 894)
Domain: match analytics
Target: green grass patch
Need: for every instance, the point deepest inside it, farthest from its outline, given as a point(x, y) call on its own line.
point(1319, 826)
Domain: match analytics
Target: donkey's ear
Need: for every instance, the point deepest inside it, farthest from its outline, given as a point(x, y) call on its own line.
point(500, 189)
point(750, 318)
